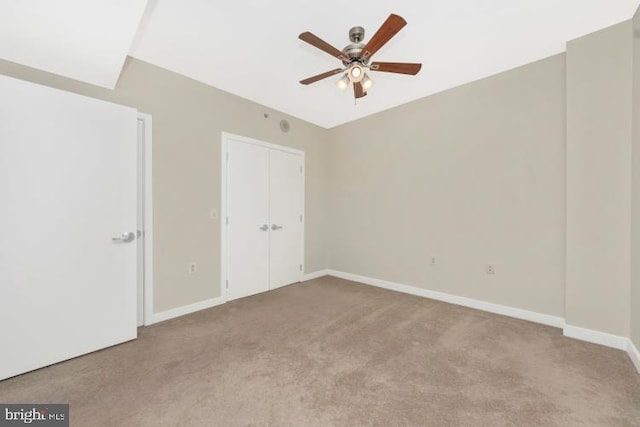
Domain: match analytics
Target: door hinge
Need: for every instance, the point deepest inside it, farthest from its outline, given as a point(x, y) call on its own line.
point(227, 220)
point(300, 169)
point(300, 267)
point(300, 218)
point(227, 284)
point(227, 156)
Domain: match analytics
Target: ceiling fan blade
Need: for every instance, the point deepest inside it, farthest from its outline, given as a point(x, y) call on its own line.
point(321, 76)
point(316, 41)
point(390, 28)
point(396, 67)
point(358, 90)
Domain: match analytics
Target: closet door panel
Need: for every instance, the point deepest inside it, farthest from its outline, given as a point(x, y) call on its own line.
point(285, 214)
point(248, 212)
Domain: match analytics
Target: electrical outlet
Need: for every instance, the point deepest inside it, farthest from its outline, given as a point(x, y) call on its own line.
point(433, 260)
point(490, 269)
point(213, 214)
point(193, 268)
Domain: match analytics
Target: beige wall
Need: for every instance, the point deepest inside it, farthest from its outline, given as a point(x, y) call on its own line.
point(599, 83)
point(635, 197)
point(507, 170)
point(471, 176)
point(188, 118)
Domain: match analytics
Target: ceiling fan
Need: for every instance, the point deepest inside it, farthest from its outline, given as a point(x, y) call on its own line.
point(356, 56)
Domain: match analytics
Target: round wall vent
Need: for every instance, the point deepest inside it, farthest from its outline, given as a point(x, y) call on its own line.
point(284, 126)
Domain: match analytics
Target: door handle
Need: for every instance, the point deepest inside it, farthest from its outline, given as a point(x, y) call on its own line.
point(276, 227)
point(264, 227)
point(125, 238)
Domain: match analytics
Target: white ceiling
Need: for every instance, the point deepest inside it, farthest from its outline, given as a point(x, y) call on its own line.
point(250, 48)
point(86, 40)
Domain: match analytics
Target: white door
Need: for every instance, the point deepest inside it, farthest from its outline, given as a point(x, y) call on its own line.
point(264, 205)
point(285, 215)
point(67, 187)
point(248, 213)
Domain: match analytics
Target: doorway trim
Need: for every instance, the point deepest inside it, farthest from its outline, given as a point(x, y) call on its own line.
point(225, 138)
point(147, 286)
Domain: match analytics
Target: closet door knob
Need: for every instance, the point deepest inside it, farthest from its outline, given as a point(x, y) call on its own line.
point(275, 227)
point(264, 227)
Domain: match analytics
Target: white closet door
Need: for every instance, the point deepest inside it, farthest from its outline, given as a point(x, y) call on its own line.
point(67, 187)
point(285, 214)
point(248, 212)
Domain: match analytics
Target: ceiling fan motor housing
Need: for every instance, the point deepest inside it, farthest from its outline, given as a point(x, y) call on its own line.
point(353, 52)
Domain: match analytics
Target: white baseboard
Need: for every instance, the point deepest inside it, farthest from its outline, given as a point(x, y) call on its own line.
point(517, 313)
point(315, 275)
point(634, 355)
point(186, 309)
point(596, 337)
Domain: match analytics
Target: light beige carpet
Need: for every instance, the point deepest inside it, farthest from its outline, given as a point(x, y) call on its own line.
point(332, 352)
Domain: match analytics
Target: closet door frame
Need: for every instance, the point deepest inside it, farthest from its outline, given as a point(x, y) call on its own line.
point(225, 141)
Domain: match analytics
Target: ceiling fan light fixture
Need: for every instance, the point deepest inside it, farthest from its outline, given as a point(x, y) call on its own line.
point(343, 83)
point(356, 73)
point(367, 82)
